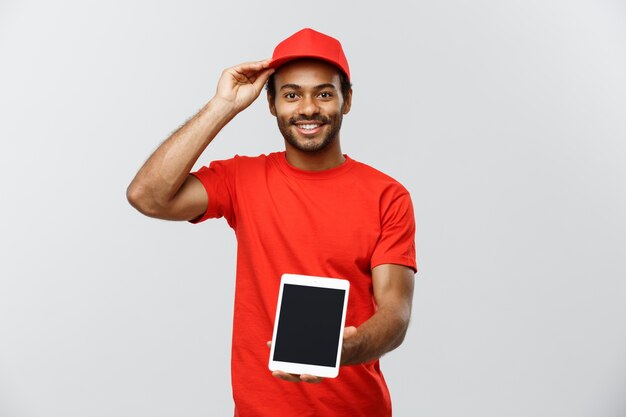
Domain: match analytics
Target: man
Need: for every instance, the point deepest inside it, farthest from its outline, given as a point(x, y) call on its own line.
point(309, 210)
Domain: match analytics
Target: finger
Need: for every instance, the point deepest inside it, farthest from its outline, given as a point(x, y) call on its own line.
point(286, 377)
point(311, 379)
point(262, 78)
point(269, 343)
point(251, 67)
point(255, 78)
point(349, 332)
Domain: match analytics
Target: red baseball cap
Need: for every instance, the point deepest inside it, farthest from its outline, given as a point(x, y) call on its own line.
point(308, 43)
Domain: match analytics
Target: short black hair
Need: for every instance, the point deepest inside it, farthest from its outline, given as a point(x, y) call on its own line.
point(345, 85)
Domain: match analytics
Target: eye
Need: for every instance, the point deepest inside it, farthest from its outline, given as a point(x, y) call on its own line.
point(291, 96)
point(326, 94)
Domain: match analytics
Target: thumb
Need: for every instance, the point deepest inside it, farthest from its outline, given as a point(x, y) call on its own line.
point(262, 79)
point(349, 332)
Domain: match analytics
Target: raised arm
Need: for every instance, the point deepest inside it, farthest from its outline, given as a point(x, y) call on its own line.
point(163, 187)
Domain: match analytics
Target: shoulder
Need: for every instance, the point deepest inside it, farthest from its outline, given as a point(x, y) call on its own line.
point(378, 180)
point(238, 161)
point(244, 159)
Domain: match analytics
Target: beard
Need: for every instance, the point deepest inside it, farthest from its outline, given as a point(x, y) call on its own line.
point(311, 144)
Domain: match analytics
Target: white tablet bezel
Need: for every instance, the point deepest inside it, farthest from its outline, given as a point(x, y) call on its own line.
point(300, 368)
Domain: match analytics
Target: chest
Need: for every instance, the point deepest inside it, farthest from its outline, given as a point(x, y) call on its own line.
point(328, 219)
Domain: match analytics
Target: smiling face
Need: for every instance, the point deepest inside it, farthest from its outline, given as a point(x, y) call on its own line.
point(308, 105)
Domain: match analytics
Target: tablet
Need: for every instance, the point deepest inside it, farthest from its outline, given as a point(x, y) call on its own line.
point(308, 328)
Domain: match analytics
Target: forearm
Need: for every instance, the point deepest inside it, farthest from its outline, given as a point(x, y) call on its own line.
point(381, 333)
point(163, 174)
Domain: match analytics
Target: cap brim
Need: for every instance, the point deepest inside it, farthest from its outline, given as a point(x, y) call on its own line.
point(275, 63)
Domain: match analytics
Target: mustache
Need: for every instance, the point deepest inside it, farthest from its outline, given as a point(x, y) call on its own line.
point(317, 118)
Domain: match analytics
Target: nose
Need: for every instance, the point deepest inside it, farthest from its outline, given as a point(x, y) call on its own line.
point(308, 106)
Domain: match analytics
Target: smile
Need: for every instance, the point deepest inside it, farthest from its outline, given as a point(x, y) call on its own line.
point(309, 126)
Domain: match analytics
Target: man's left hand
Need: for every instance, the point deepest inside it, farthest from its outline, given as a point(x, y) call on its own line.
point(348, 332)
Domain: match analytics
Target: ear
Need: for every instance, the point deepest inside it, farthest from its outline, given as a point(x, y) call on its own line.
point(271, 103)
point(347, 103)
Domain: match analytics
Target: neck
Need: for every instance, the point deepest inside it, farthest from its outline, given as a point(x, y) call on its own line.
point(327, 158)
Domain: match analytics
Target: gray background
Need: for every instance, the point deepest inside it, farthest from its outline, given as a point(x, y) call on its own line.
point(504, 119)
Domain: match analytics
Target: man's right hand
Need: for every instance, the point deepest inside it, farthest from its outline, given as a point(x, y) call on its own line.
point(163, 187)
point(240, 85)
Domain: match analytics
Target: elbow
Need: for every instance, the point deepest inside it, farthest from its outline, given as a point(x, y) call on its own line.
point(140, 199)
point(401, 329)
point(136, 197)
point(400, 334)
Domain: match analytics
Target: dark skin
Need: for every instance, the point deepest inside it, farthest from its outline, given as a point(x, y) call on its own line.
point(309, 107)
point(308, 91)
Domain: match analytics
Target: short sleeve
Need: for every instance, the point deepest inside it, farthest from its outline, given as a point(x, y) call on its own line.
point(396, 244)
point(218, 180)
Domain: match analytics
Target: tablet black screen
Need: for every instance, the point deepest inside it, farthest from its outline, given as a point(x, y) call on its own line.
point(308, 325)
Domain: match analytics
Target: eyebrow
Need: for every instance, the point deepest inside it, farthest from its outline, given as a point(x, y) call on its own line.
point(297, 87)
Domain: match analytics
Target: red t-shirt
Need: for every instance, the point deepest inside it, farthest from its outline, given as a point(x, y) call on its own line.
point(336, 223)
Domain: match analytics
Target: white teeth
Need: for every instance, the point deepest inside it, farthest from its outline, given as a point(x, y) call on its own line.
point(308, 127)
